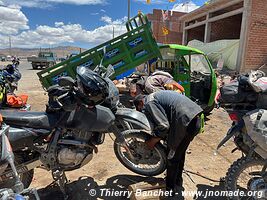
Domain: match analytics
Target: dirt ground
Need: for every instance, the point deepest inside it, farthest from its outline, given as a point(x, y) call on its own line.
point(206, 168)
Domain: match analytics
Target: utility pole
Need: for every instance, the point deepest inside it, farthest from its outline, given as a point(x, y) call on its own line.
point(9, 38)
point(129, 9)
point(113, 32)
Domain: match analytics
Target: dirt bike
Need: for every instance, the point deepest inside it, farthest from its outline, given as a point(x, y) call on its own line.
point(248, 173)
point(10, 76)
point(60, 140)
point(17, 192)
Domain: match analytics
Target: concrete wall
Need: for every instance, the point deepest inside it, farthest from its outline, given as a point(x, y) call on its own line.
point(256, 45)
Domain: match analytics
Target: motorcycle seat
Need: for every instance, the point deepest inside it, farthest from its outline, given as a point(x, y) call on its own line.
point(39, 120)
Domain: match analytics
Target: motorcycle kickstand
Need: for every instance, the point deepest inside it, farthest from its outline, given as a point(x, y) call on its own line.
point(61, 180)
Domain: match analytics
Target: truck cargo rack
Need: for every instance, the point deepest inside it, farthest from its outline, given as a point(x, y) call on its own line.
point(124, 53)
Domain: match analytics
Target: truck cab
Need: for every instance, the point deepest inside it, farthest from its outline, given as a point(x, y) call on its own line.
point(45, 59)
point(192, 69)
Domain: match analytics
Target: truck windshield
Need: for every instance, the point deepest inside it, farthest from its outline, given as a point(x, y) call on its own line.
point(198, 63)
point(47, 55)
point(167, 53)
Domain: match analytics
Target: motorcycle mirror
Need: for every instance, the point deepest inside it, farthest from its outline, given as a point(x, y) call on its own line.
point(110, 71)
point(66, 82)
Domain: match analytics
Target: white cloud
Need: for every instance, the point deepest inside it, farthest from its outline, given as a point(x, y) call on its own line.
point(102, 10)
point(62, 33)
point(94, 13)
point(12, 20)
point(152, 1)
point(49, 3)
point(185, 7)
point(78, 2)
point(108, 20)
point(58, 24)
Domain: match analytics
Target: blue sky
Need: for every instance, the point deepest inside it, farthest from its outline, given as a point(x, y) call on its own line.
point(88, 15)
point(31, 23)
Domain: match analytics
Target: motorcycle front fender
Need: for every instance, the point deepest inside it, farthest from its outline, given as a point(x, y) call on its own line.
point(137, 119)
point(234, 130)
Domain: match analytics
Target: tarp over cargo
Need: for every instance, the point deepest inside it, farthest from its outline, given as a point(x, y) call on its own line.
point(226, 50)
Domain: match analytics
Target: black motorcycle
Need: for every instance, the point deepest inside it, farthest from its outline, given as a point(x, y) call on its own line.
point(247, 174)
point(65, 137)
point(10, 77)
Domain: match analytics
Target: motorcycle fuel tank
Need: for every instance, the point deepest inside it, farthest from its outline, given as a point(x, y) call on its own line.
point(97, 119)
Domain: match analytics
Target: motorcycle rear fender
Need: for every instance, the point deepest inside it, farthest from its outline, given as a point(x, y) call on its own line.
point(21, 138)
point(137, 119)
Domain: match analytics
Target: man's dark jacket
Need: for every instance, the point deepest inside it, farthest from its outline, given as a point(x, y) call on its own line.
point(170, 113)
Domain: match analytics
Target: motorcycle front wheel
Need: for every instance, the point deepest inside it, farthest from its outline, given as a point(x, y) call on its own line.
point(142, 160)
point(246, 175)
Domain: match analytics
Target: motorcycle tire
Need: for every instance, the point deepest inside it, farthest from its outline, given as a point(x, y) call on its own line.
point(26, 177)
point(159, 148)
point(235, 171)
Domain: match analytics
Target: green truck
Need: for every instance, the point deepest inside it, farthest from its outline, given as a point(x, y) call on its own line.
point(45, 59)
point(189, 66)
point(192, 69)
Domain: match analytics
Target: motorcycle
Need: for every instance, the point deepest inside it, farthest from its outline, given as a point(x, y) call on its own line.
point(11, 76)
point(65, 139)
point(17, 192)
point(248, 173)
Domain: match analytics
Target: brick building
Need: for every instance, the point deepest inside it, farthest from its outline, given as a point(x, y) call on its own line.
point(173, 24)
point(232, 19)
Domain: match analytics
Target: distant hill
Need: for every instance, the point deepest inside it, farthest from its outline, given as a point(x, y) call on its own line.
point(61, 51)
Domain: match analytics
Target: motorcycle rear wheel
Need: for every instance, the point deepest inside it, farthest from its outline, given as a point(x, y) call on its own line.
point(147, 162)
point(26, 177)
point(245, 175)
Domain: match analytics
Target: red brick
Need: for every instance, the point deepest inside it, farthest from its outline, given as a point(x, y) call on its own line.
point(173, 24)
point(256, 54)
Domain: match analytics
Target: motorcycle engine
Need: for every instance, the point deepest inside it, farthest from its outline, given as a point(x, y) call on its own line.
point(73, 157)
point(76, 148)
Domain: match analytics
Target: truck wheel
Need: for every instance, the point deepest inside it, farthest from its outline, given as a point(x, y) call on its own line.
point(209, 109)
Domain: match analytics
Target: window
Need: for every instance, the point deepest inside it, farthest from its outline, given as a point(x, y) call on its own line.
point(198, 63)
point(168, 53)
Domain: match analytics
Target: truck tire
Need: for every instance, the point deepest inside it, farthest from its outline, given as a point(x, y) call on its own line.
point(209, 109)
point(34, 66)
